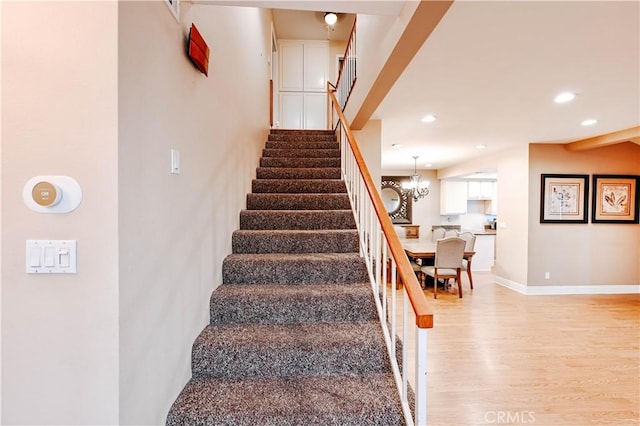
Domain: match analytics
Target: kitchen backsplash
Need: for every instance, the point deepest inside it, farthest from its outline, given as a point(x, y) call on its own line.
point(474, 219)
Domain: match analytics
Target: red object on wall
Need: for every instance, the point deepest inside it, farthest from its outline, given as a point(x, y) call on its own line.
point(198, 50)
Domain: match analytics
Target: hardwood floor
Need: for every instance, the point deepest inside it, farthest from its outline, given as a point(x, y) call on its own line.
point(499, 357)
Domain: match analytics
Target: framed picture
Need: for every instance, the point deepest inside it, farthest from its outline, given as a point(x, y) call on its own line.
point(615, 199)
point(564, 198)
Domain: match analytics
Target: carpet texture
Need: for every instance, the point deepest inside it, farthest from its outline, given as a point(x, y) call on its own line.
point(294, 336)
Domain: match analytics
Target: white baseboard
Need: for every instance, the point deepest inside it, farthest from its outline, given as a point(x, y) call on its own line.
point(568, 289)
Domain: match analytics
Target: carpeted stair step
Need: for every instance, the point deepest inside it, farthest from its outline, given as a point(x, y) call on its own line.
point(303, 401)
point(284, 303)
point(280, 131)
point(298, 186)
point(297, 219)
point(302, 145)
point(305, 268)
point(302, 138)
point(299, 162)
point(298, 202)
point(295, 241)
point(298, 173)
point(301, 153)
point(294, 335)
point(280, 350)
point(310, 137)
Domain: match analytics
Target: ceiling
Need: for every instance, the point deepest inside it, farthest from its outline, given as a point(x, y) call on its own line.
point(490, 70)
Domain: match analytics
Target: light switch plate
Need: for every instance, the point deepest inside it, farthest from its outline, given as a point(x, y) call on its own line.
point(51, 256)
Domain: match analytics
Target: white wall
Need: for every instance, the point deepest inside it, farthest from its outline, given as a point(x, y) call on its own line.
point(376, 37)
point(60, 98)
point(176, 229)
point(101, 91)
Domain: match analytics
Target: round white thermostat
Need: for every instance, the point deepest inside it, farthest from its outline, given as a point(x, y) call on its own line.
point(52, 194)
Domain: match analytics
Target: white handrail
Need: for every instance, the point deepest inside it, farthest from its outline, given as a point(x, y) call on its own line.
point(381, 249)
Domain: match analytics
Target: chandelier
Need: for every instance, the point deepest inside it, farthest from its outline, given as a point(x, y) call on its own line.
point(415, 187)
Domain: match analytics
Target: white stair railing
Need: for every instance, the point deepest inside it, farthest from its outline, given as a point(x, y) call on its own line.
point(385, 257)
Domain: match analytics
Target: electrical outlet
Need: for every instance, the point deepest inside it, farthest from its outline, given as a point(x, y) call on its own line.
point(547, 275)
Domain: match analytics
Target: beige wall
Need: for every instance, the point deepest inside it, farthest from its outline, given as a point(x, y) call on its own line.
point(60, 97)
point(176, 229)
point(370, 144)
point(581, 254)
point(513, 215)
point(101, 93)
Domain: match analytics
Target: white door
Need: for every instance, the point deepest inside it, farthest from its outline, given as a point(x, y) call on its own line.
point(291, 66)
point(315, 111)
point(304, 70)
point(316, 66)
point(291, 110)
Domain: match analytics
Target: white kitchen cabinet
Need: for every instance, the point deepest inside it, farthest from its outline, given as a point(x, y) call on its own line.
point(453, 197)
point(480, 189)
point(491, 206)
point(303, 72)
point(483, 260)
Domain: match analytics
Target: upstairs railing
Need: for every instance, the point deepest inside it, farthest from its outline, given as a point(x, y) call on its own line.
point(384, 255)
point(347, 73)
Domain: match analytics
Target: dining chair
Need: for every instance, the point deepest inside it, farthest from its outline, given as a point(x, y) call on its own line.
point(448, 263)
point(437, 234)
point(417, 269)
point(470, 243)
point(450, 233)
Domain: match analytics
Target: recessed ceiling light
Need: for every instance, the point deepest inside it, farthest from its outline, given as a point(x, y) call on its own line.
point(589, 122)
point(564, 97)
point(396, 145)
point(481, 146)
point(428, 165)
point(428, 118)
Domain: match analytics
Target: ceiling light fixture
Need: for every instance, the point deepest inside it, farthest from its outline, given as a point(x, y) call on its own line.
point(481, 146)
point(396, 145)
point(564, 97)
point(589, 122)
point(428, 118)
point(417, 188)
point(330, 18)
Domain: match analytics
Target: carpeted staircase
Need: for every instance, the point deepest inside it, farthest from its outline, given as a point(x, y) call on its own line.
point(294, 337)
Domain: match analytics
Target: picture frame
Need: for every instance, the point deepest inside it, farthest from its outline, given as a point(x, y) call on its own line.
point(396, 200)
point(615, 199)
point(564, 198)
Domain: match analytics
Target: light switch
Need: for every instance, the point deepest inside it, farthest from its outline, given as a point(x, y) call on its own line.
point(51, 256)
point(63, 257)
point(34, 256)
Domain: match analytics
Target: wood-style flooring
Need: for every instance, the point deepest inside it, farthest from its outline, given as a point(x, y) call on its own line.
point(497, 357)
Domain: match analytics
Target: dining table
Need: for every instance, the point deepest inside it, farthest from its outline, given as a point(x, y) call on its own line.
point(425, 249)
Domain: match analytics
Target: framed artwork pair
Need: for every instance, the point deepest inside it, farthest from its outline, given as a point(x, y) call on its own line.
point(564, 198)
